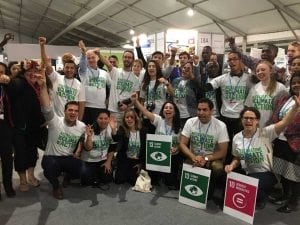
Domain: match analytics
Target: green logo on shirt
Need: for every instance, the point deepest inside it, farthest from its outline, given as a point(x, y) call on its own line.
point(262, 102)
point(98, 82)
point(66, 92)
point(235, 93)
point(124, 85)
point(67, 140)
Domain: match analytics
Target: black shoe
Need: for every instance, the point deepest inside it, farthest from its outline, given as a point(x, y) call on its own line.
point(260, 205)
point(280, 200)
point(284, 209)
point(11, 193)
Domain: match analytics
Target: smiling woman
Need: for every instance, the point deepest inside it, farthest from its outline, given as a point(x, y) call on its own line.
point(252, 148)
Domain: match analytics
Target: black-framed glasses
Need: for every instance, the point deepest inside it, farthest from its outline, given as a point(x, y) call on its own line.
point(249, 118)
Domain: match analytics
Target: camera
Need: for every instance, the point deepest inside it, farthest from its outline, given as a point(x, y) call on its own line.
point(150, 106)
point(126, 101)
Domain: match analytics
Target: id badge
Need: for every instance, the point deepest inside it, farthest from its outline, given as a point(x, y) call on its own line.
point(243, 164)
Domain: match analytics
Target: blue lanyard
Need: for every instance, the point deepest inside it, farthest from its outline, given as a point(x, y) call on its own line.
point(232, 88)
point(203, 140)
point(168, 131)
point(247, 150)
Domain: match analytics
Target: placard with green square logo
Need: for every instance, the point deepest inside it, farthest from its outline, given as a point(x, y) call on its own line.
point(194, 186)
point(158, 152)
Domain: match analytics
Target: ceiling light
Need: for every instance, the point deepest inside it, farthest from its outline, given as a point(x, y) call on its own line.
point(131, 32)
point(190, 12)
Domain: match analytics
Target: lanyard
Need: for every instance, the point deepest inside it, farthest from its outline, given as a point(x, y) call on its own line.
point(69, 89)
point(233, 89)
point(124, 86)
point(247, 150)
point(204, 138)
point(168, 131)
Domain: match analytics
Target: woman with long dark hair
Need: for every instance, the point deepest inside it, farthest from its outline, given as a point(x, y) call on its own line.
point(167, 122)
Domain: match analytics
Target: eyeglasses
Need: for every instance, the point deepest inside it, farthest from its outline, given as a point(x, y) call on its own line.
point(249, 118)
point(233, 59)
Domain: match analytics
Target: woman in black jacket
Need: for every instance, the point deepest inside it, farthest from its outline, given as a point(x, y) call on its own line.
point(131, 148)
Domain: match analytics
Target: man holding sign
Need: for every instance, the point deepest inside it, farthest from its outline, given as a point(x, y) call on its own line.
point(208, 140)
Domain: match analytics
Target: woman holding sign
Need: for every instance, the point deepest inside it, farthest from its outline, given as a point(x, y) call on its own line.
point(166, 123)
point(131, 148)
point(252, 148)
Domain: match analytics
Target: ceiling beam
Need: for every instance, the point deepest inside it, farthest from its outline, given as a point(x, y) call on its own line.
point(43, 17)
point(279, 6)
point(288, 24)
point(96, 10)
point(212, 17)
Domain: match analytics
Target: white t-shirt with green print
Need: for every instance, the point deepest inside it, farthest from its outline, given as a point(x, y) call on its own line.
point(254, 151)
point(234, 92)
point(100, 148)
point(65, 90)
point(205, 137)
point(158, 96)
point(95, 82)
point(123, 84)
point(164, 129)
point(261, 100)
point(62, 139)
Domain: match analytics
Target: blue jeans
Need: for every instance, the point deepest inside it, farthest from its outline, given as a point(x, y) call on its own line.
point(54, 165)
point(266, 182)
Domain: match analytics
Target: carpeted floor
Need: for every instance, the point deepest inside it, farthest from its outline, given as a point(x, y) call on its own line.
point(118, 206)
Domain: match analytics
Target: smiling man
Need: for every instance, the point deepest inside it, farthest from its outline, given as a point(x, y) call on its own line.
point(63, 135)
point(208, 140)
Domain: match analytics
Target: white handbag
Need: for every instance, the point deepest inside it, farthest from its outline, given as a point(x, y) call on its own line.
point(143, 182)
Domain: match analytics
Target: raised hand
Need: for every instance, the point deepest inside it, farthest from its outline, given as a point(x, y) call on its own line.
point(42, 41)
point(89, 130)
point(174, 51)
point(8, 36)
point(81, 45)
point(228, 168)
point(113, 122)
point(134, 97)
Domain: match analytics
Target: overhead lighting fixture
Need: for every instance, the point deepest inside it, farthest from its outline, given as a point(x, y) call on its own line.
point(190, 12)
point(131, 32)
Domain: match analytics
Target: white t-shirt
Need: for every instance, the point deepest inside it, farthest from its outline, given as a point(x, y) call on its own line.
point(164, 129)
point(62, 139)
point(234, 92)
point(158, 98)
point(180, 99)
point(95, 82)
point(65, 90)
point(255, 150)
point(122, 87)
point(134, 145)
point(262, 101)
point(205, 137)
point(100, 148)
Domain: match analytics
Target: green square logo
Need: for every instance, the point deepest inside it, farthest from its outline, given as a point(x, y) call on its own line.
point(194, 186)
point(158, 153)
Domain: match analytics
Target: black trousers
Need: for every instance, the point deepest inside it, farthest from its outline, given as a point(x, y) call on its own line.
point(126, 171)
point(6, 154)
point(94, 172)
point(25, 150)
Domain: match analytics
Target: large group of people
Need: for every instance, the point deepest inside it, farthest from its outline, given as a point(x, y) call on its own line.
point(97, 118)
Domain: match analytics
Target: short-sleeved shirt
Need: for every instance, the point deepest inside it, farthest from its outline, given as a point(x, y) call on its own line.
point(164, 129)
point(261, 100)
point(255, 150)
point(65, 90)
point(234, 92)
point(101, 143)
point(205, 137)
point(62, 139)
point(123, 85)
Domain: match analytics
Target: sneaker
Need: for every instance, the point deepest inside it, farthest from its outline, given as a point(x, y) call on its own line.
point(260, 205)
point(10, 192)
